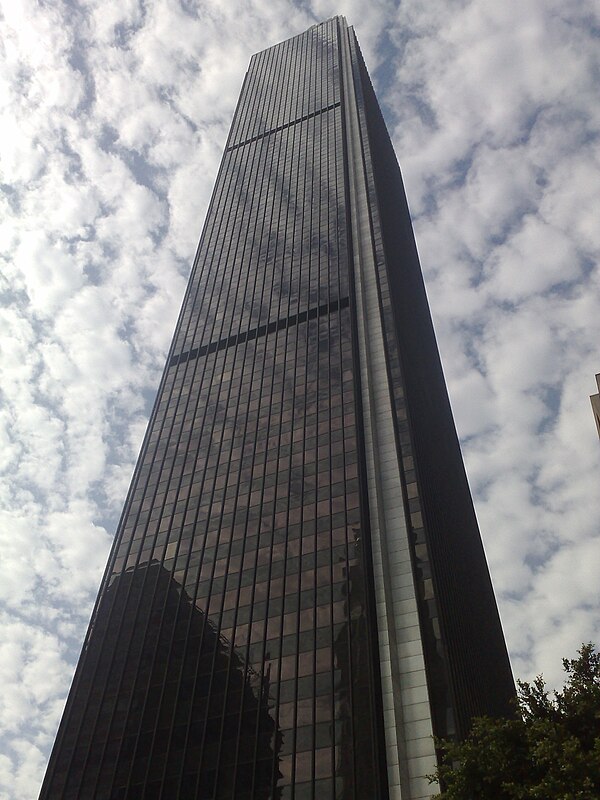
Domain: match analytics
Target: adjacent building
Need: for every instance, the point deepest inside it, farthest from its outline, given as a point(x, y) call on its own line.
point(297, 597)
point(595, 400)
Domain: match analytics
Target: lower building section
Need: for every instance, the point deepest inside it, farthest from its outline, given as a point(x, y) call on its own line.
point(232, 653)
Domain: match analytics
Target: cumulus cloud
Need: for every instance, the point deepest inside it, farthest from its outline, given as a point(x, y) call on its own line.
point(114, 117)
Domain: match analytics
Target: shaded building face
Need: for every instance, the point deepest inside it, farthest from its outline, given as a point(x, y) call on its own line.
point(280, 617)
point(164, 690)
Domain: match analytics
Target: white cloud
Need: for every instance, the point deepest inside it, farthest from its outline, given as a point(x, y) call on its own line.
point(534, 260)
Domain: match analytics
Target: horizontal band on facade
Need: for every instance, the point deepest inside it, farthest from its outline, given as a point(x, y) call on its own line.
point(282, 127)
point(261, 330)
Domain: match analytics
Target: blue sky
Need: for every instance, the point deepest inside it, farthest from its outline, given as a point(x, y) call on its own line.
point(113, 119)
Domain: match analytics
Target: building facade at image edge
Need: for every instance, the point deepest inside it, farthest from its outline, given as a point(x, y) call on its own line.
point(297, 598)
point(595, 400)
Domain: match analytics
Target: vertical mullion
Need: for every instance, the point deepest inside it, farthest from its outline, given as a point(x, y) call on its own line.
point(300, 136)
point(333, 173)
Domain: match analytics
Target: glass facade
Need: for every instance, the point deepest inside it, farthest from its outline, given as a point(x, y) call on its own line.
point(234, 651)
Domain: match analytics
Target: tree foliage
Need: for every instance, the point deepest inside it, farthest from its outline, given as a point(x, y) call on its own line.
point(550, 750)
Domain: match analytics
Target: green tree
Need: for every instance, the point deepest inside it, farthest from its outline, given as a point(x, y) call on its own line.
point(550, 750)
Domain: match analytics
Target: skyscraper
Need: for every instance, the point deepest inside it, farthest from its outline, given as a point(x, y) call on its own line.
point(297, 597)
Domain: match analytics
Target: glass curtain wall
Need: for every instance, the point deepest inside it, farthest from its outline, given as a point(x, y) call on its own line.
point(232, 653)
